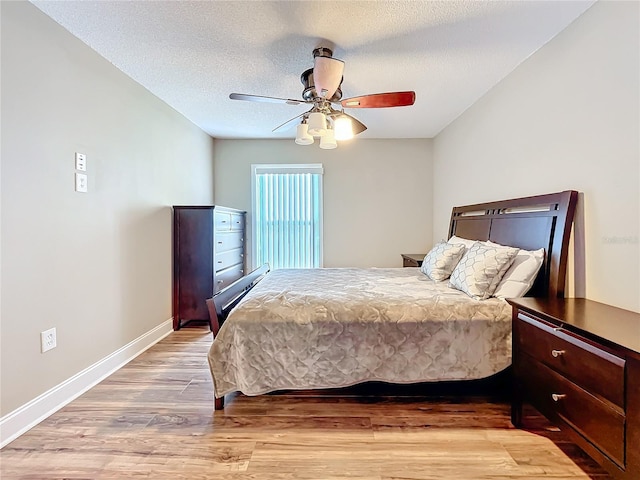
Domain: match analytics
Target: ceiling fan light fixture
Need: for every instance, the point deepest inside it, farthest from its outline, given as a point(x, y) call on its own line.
point(327, 75)
point(328, 141)
point(302, 135)
point(317, 124)
point(343, 128)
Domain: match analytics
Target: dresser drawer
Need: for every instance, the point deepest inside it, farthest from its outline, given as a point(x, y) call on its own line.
point(229, 241)
point(557, 397)
point(222, 221)
point(227, 259)
point(590, 367)
point(226, 277)
point(237, 221)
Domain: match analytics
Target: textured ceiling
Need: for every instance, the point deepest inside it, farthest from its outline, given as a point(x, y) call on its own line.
point(193, 54)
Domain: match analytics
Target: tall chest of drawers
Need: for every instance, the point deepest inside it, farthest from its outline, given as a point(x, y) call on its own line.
point(578, 362)
point(208, 254)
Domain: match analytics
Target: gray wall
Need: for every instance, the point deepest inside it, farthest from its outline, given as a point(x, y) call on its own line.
point(567, 118)
point(377, 193)
point(96, 266)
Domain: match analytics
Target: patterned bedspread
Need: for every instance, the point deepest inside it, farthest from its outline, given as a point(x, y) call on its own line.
point(336, 327)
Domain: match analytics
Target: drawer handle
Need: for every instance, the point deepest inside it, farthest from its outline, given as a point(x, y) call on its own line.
point(557, 329)
point(557, 353)
point(557, 396)
point(220, 281)
point(220, 261)
point(219, 243)
point(241, 271)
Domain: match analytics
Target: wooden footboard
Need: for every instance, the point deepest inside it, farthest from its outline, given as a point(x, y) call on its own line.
point(222, 302)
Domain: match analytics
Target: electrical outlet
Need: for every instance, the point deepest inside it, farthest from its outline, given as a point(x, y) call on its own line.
point(81, 182)
point(48, 340)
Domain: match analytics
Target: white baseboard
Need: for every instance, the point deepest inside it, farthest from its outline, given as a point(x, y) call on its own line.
point(30, 414)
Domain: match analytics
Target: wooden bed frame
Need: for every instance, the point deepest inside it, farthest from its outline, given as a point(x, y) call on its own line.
point(530, 223)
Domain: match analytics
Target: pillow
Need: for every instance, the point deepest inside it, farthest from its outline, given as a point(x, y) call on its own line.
point(441, 260)
point(481, 268)
point(459, 240)
point(519, 278)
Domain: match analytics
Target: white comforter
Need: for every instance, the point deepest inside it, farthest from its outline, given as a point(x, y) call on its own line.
point(336, 327)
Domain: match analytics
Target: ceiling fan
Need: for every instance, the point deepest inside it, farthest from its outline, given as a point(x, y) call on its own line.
point(326, 118)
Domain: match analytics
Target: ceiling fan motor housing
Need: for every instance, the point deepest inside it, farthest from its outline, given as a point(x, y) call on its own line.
point(322, 52)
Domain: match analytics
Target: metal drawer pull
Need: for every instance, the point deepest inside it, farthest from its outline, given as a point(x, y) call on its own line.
point(220, 281)
point(219, 243)
point(557, 329)
point(557, 396)
point(220, 261)
point(557, 353)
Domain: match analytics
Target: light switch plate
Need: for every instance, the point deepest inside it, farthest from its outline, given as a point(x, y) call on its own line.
point(81, 182)
point(81, 162)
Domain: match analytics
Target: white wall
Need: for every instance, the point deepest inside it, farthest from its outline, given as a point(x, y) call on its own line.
point(567, 118)
point(377, 193)
point(96, 266)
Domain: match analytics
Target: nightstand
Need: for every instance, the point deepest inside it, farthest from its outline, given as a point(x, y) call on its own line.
point(412, 259)
point(578, 362)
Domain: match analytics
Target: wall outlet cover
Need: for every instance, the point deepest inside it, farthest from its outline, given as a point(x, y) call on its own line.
point(82, 183)
point(48, 340)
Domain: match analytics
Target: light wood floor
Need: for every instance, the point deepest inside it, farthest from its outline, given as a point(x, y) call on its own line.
point(154, 419)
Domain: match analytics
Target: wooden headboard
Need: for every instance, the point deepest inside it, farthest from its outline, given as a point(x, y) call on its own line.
point(530, 223)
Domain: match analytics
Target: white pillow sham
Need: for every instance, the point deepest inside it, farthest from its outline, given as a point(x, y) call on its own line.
point(481, 268)
point(462, 241)
point(441, 260)
point(521, 275)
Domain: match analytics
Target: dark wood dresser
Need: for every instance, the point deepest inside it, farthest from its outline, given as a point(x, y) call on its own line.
point(208, 255)
point(578, 362)
point(412, 259)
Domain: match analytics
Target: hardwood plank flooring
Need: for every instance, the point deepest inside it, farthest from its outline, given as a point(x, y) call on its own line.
point(154, 419)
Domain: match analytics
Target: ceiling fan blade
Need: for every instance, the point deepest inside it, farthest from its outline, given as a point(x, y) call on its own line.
point(327, 75)
point(289, 123)
point(356, 125)
point(380, 100)
point(259, 98)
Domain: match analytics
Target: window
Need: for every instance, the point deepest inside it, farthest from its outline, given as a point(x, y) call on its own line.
point(287, 215)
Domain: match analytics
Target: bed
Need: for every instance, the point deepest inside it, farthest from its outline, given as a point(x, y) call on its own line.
point(337, 327)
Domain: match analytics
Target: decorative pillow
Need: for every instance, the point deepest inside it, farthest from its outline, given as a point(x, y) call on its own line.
point(441, 260)
point(519, 278)
point(481, 269)
point(463, 241)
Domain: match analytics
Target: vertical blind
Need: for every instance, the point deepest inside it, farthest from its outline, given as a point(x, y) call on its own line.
point(288, 215)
